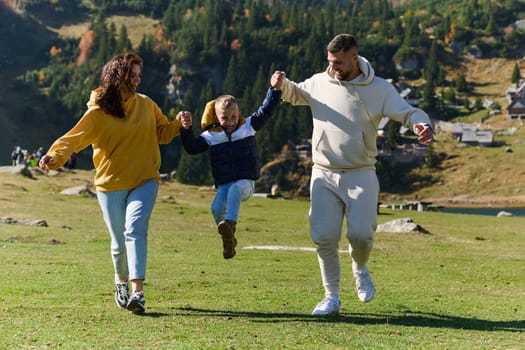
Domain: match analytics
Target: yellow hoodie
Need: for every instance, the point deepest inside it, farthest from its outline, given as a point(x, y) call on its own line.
point(125, 151)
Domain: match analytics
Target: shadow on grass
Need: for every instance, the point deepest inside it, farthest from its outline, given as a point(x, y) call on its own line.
point(153, 314)
point(407, 318)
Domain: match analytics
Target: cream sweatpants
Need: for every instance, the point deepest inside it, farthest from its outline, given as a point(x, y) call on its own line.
point(335, 195)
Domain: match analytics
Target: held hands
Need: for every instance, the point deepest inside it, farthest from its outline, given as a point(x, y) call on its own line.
point(277, 79)
point(42, 164)
point(184, 117)
point(424, 133)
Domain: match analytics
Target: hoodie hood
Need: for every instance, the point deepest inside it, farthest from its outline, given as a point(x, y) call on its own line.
point(93, 98)
point(365, 78)
point(92, 102)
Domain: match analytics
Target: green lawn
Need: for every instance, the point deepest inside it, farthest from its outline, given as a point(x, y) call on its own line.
point(460, 287)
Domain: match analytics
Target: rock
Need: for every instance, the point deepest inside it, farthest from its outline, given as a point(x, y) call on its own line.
point(11, 221)
point(402, 225)
point(17, 169)
point(165, 177)
point(78, 190)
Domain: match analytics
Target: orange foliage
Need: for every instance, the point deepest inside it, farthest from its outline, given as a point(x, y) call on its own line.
point(235, 45)
point(16, 6)
point(449, 37)
point(85, 46)
point(160, 34)
point(54, 51)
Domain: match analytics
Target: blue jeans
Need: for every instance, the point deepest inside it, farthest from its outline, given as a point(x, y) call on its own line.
point(127, 214)
point(227, 201)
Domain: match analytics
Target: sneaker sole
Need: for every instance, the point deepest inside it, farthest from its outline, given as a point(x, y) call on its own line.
point(136, 307)
point(331, 314)
point(366, 299)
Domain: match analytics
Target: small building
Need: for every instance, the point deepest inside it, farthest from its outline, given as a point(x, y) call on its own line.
point(516, 109)
point(477, 137)
point(516, 91)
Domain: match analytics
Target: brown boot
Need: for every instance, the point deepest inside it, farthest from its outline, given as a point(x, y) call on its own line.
point(226, 229)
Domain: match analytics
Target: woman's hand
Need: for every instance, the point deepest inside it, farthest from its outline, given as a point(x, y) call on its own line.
point(42, 164)
point(184, 117)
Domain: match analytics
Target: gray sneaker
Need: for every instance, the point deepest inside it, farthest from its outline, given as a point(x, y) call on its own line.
point(121, 294)
point(136, 303)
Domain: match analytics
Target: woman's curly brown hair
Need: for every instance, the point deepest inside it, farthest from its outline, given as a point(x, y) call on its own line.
point(114, 75)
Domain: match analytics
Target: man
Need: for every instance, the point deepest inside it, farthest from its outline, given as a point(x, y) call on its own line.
point(347, 102)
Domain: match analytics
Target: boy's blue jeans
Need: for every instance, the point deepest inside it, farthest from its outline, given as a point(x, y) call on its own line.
point(227, 201)
point(127, 215)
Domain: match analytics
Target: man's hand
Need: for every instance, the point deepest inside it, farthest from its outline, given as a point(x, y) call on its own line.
point(424, 133)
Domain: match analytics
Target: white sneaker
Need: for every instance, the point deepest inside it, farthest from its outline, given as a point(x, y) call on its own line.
point(364, 285)
point(329, 306)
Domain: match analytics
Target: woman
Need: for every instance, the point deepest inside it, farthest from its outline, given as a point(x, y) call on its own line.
point(124, 128)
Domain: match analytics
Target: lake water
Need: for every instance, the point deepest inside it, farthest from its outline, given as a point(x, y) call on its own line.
point(484, 211)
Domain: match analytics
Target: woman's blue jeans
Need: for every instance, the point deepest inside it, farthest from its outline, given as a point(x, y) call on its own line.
point(227, 201)
point(127, 215)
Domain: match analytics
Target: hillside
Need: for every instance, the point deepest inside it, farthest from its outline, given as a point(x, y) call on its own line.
point(481, 176)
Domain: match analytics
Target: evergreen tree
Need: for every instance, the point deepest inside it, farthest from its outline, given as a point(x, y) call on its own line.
point(491, 25)
point(516, 75)
point(432, 65)
point(123, 41)
point(393, 133)
point(190, 169)
point(461, 83)
point(478, 105)
point(429, 99)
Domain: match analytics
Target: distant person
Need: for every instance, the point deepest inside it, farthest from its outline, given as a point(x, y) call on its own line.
point(234, 159)
point(32, 160)
point(40, 152)
point(25, 158)
point(17, 156)
point(124, 128)
point(347, 102)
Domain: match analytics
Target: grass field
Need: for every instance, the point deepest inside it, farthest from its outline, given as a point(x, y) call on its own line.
point(460, 287)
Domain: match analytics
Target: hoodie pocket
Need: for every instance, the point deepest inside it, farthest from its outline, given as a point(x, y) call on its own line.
point(334, 148)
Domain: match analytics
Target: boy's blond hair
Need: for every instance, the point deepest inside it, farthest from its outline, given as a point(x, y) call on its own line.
point(209, 119)
point(225, 101)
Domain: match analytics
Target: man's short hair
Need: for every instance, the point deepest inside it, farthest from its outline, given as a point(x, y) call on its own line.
point(341, 42)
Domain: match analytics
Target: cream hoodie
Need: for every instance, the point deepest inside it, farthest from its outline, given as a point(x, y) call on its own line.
point(346, 115)
point(125, 151)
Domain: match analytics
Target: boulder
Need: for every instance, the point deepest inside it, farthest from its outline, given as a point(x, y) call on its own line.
point(402, 225)
point(78, 190)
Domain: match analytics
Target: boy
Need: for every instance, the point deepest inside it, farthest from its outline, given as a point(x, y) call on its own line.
point(230, 139)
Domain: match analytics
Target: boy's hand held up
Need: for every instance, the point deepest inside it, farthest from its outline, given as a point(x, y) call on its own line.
point(277, 79)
